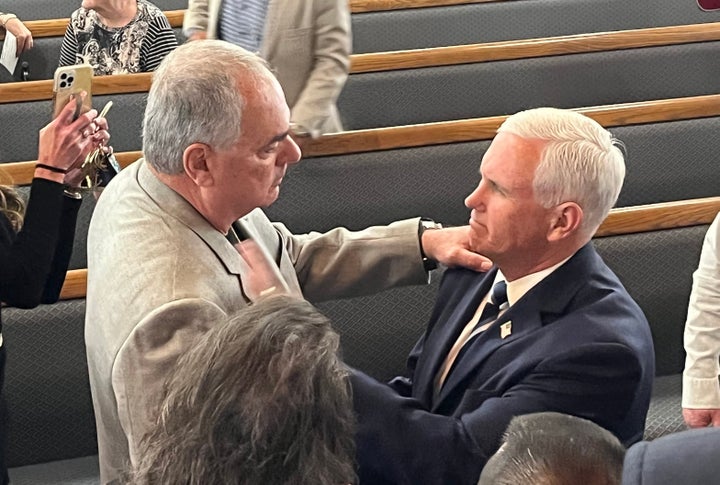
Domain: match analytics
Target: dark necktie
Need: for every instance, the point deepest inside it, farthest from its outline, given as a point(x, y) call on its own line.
point(498, 297)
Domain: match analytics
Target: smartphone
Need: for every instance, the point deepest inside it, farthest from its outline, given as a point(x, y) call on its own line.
point(709, 4)
point(69, 81)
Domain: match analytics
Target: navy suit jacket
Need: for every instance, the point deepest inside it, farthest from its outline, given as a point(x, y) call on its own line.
point(578, 345)
point(689, 457)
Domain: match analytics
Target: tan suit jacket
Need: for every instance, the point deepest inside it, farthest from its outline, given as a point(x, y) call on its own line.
point(308, 45)
point(159, 275)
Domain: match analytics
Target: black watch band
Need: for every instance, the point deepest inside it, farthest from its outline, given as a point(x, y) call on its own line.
point(424, 225)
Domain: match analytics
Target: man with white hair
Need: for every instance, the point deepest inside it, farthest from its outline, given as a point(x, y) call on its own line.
point(548, 328)
point(163, 244)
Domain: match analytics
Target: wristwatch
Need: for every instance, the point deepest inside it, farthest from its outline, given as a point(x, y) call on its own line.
point(424, 225)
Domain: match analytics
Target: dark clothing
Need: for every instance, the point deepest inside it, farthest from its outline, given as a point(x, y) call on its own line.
point(575, 343)
point(33, 263)
point(689, 457)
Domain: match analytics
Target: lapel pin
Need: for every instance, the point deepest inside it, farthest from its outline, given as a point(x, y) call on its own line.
point(505, 329)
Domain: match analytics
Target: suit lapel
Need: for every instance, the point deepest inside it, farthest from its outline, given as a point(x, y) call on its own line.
point(173, 205)
point(272, 243)
point(538, 307)
point(522, 320)
point(460, 305)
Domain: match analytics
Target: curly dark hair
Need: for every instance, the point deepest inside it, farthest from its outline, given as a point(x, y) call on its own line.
point(260, 399)
point(12, 206)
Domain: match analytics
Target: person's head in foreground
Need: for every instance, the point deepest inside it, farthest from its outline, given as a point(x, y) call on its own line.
point(555, 449)
point(263, 398)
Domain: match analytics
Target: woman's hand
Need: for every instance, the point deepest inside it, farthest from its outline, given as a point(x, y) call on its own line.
point(23, 35)
point(64, 143)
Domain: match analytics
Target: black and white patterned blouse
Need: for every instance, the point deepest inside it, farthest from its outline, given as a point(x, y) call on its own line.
point(136, 47)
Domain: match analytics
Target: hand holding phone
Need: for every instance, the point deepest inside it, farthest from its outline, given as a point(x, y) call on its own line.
point(70, 82)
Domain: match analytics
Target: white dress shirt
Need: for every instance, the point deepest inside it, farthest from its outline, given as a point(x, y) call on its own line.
point(701, 381)
point(515, 290)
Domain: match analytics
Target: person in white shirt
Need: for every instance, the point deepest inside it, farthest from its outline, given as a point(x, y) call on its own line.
point(701, 377)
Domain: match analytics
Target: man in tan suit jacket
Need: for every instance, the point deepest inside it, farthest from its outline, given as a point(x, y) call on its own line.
point(308, 45)
point(162, 266)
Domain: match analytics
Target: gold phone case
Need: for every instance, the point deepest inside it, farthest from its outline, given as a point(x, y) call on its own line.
point(71, 80)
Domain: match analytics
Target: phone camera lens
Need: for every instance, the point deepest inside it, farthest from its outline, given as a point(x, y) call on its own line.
point(63, 76)
point(70, 79)
point(63, 84)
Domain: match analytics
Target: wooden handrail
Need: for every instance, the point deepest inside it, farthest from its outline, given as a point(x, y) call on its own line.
point(57, 27)
point(444, 132)
point(75, 285)
point(655, 217)
point(479, 129)
point(539, 47)
point(42, 90)
point(626, 220)
point(432, 57)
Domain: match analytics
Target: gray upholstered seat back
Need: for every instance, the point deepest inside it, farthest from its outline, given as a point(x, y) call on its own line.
point(393, 98)
point(656, 268)
point(433, 181)
point(667, 161)
point(373, 188)
point(514, 19)
point(22, 121)
point(47, 387)
point(44, 57)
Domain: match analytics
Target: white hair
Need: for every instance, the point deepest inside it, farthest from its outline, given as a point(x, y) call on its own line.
point(581, 161)
point(195, 98)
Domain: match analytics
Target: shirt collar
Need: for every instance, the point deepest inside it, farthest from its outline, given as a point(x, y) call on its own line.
point(516, 289)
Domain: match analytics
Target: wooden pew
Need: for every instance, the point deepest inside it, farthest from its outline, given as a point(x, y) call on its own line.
point(578, 56)
point(433, 57)
point(56, 27)
point(530, 48)
point(628, 220)
point(440, 133)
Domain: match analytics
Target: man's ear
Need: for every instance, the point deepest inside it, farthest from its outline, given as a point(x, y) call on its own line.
point(195, 163)
point(566, 221)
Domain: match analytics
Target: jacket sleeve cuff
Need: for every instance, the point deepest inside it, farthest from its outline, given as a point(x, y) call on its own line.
point(701, 393)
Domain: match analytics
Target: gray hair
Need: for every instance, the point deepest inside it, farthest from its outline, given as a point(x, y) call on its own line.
point(260, 398)
point(581, 162)
point(555, 449)
point(195, 97)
